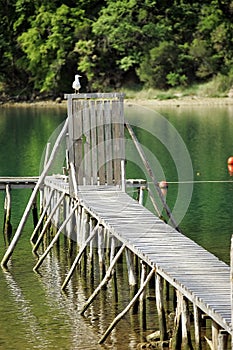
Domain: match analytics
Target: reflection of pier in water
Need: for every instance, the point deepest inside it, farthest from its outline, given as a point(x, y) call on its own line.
point(90, 205)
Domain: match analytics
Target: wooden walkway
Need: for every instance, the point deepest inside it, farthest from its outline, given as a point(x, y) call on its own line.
point(199, 275)
point(18, 182)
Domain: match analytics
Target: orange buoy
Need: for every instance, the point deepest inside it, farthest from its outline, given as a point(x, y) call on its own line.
point(230, 169)
point(230, 161)
point(163, 185)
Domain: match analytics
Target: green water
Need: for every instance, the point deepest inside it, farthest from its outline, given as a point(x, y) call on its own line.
point(187, 146)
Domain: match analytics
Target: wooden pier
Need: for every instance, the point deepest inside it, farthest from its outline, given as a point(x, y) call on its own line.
point(90, 205)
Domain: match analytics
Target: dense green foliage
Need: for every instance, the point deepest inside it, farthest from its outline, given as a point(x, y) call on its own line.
point(113, 43)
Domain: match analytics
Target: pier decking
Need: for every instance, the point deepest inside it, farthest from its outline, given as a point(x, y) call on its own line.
point(91, 202)
point(199, 275)
point(18, 182)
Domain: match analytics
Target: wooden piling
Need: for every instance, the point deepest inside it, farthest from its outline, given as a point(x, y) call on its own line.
point(106, 278)
point(160, 307)
point(101, 247)
point(76, 261)
point(185, 324)
point(130, 267)
point(39, 223)
point(54, 240)
point(7, 227)
point(132, 302)
point(36, 246)
point(223, 340)
point(197, 326)
point(177, 335)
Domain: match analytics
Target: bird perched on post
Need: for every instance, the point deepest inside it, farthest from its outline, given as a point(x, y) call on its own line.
point(76, 83)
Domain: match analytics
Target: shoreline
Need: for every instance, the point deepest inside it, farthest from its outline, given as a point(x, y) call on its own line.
point(175, 102)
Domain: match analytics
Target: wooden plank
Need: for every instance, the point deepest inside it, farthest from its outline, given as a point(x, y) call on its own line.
point(100, 141)
point(117, 134)
point(93, 142)
point(108, 142)
point(87, 144)
point(78, 140)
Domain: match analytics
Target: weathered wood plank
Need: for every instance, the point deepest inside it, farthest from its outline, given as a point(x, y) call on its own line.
point(201, 277)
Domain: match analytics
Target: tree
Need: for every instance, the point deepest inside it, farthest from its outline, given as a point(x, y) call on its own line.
point(48, 43)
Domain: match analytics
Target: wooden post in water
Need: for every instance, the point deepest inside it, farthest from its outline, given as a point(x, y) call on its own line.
point(197, 326)
point(185, 325)
point(130, 267)
point(106, 278)
point(7, 216)
point(36, 246)
point(34, 235)
point(142, 299)
point(177, 336)
point(101, 250)
point(132, 302)
point(35, 212)
point(54, 240)
point(222, 340)
point(160, 307)
point(78, 257)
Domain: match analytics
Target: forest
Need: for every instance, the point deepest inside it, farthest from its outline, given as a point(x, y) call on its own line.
point(113, 44)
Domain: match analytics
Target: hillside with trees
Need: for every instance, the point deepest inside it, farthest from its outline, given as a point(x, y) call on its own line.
point(113, 44)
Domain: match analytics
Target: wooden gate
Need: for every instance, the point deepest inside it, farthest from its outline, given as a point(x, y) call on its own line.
point(96, 138)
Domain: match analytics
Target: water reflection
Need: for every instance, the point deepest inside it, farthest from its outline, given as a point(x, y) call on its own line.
point(34, 313)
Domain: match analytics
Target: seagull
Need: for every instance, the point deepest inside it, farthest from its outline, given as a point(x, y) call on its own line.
point(76, 83)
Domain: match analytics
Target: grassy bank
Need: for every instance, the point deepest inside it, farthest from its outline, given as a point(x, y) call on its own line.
point(210, 93)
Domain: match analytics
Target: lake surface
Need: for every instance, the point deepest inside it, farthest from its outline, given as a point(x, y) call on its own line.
point(187, 146)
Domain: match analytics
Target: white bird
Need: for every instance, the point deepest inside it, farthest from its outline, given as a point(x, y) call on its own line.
point(76, 83)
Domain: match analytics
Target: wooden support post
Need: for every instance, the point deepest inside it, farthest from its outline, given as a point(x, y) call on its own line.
point(114, 278)
point(18, 232)
point(222, 340)
point(185, 324)
point(130, 267)
point(107, 277)
point(34, 233)
point(215, 333)
point(78, 257)
point(47, 223)
point(54, 240)
point(141, 191)
point(176, 338)
point(142, 300)
point(197, 326)
point(101, 250)
point(35, 212)
point(7, 216)
point(79, 225)
point(160, 307)
point(143, 277)
point(151, 173)
point(122, 314)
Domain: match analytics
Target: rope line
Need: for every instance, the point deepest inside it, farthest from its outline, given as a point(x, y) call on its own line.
point(197, 181)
